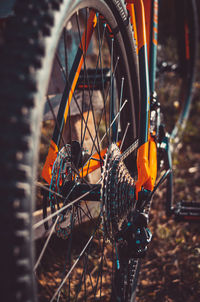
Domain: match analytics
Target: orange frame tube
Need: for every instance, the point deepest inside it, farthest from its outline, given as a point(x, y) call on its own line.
point(140, 12)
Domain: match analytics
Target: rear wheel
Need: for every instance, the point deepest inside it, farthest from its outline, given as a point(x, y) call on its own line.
point(73, 88)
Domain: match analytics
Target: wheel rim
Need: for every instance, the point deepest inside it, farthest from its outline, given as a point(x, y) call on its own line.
point(81, 269)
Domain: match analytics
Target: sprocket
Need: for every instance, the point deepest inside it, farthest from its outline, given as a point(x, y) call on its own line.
point(117, 192)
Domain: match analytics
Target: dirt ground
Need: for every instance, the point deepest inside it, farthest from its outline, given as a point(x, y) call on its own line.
point(171, 269)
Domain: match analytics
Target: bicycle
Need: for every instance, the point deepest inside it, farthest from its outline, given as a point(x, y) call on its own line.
point(90, 59)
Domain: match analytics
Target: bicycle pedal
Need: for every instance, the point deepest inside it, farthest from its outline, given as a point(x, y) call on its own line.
point(187, 211)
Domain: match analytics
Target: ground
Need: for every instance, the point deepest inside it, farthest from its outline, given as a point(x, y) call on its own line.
point(171, 269)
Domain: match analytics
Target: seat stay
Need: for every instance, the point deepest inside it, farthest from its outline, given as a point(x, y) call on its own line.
point(145, 26)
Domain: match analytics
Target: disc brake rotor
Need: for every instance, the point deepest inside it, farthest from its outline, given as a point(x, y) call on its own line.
point(61, 172)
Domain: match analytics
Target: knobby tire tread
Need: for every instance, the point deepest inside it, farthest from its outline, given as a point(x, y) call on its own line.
point(21, 60)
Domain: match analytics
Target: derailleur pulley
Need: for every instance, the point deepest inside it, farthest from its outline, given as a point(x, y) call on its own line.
point(134, 237)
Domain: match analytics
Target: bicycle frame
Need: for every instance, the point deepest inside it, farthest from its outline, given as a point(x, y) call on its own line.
point(146, 39)
point(146, 26)
point(145, 12)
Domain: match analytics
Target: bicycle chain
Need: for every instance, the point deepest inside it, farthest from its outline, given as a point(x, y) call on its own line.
point(118, 200)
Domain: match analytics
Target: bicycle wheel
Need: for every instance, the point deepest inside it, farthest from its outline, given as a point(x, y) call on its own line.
point(177, 60)
point(67, 62)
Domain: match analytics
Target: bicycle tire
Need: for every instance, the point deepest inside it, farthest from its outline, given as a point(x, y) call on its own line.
point(183, 31)
point(31, 38)
point(175, 88)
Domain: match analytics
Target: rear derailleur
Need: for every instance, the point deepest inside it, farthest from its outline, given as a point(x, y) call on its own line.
point(134, 236)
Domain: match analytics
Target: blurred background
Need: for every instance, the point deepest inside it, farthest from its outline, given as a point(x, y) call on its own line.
point(171, 269)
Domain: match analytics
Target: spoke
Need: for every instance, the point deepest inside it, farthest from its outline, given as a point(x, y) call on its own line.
point(73, 266)
point(124, 136)
point(49, 237)
point(84, 81)
point(111, 88)
point(69, 254)
point(101, 64)
point(80, 112)
point(106, 98)
point(120, 104)
point(100, 43)
point(89, 216)
point(114, 119)
point(100, 270)
point(38, 224)
point(89, 249)
point(58, 298)
point(83, 93)
point(67, 80)
point(45, 245)
point(80, 283)
point(90, 94)
point(61, 67)
point(84, 273)
point(103, 112)
point(92, 154)
point(87, 79)
point(79, 215)
point(73, 167)
point(38, 184)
